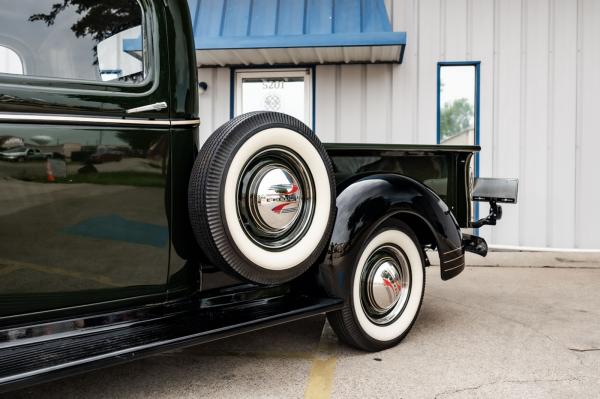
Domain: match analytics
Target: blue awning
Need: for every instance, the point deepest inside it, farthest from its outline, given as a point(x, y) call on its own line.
point(277, 32)
point(133, 47)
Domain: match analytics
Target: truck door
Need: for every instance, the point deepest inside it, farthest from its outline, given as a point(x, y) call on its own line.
point(83, 84)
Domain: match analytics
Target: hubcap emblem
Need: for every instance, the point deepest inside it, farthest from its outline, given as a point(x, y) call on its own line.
point(276, 199)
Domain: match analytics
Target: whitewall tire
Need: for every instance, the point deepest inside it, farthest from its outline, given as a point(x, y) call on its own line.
point(261, 197)
point(386, 291)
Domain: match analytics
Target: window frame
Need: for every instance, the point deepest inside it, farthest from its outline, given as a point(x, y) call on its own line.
point(442, 64)
point(477, 67)
point(308, 73)
point(151, 62)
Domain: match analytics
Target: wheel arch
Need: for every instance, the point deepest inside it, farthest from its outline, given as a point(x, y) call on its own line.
point(369, 201)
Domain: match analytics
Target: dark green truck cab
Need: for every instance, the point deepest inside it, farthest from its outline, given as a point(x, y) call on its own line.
point(126, 238)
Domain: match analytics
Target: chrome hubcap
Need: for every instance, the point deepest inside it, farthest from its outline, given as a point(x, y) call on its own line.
point(275, 198)
point(385, 284)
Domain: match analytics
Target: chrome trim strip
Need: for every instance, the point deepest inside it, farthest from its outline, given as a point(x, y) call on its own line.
point(455, 267)
point(94, 120)
point(452, 260)
point(81, 119)
point(454, 250)
point(191, 122)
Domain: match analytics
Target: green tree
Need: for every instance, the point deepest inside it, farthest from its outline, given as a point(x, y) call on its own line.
point(455, 117)
point(99, 19)
point(140, 142)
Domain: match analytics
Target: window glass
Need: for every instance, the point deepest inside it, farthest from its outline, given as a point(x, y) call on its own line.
point(10, 62)
point(457, 104)
point(287, 92)
point(94, 40)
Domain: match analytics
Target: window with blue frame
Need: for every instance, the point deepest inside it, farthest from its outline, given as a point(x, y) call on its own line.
point(458, 108)
point(458, 103)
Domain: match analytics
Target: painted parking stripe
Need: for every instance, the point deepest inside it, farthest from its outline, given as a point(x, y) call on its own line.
point(320, 380)
point(117, 228)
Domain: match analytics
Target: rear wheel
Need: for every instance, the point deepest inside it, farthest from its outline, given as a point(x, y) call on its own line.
point(387, 290)
point(261, 197)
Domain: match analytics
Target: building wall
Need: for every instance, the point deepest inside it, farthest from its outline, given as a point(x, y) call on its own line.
point(539, 78)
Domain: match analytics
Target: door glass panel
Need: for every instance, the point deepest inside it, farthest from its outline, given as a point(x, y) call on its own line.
point(457, 105)
point(73, 39)
point(285, 92)
point(82, 214)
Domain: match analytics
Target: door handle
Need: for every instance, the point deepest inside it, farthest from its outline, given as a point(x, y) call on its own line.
point(147, 108)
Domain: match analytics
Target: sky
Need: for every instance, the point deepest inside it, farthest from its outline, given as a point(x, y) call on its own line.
point(457, 82)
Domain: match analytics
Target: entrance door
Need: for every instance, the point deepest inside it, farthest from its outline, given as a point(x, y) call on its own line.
point(281, 90)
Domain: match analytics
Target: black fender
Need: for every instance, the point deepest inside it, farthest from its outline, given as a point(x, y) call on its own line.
point(369, 201)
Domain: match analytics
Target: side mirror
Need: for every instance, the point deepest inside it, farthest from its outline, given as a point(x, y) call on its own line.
point(489, 189)
point(494, 191)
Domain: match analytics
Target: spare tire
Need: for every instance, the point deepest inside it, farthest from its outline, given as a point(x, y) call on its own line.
point(262, 197)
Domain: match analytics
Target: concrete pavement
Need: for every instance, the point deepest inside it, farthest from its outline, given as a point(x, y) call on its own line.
point(530, 329)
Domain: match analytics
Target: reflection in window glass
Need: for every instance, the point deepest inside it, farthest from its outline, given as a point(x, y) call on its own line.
point(120, 56)
point(457, 104)
point(90, 40)
point(10, 62)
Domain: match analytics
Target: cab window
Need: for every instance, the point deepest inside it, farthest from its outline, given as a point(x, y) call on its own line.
point(10, 62)
point(86, 40)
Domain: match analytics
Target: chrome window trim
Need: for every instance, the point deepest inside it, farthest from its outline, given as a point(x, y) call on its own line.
point(5, 117)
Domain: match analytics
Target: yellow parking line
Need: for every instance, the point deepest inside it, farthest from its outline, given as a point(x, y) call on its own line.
point(7, 269)
point(320, 380)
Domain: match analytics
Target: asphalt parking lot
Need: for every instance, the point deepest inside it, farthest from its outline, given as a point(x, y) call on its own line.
point(527, 328)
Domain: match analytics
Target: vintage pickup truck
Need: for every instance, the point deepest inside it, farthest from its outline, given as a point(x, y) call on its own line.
point(172, 245)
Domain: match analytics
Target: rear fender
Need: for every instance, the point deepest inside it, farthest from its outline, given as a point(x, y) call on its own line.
point(366, 203)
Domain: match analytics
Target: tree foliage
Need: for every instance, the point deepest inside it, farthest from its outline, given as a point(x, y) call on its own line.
point(140, 142)
point(99, 19)
point(455, 117)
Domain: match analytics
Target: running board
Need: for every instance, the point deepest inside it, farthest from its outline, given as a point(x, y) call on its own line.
point(47, 360)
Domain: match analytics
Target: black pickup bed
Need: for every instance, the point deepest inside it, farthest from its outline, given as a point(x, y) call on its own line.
point(445, 169)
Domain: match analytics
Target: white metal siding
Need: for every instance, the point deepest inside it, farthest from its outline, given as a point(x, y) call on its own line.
point(540, 63)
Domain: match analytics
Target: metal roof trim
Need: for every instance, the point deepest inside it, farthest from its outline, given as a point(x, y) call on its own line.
point(268, 25)
point(302, 41)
